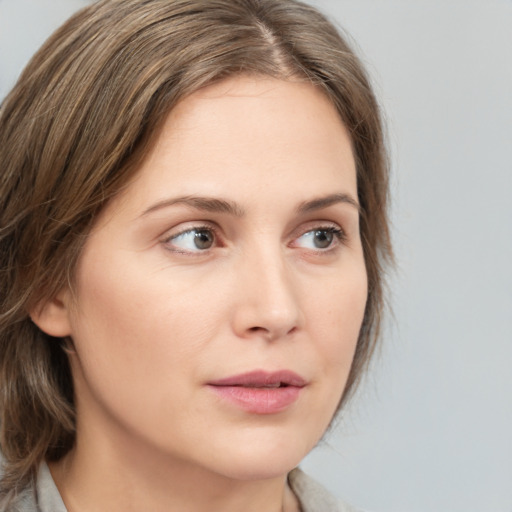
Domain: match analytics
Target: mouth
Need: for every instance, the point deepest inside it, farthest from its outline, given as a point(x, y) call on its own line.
point(260, 392)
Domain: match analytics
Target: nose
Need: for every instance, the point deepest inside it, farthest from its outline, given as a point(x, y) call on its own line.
point(267, 305)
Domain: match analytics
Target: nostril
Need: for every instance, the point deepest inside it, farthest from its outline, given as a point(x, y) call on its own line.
point(271, 334)
point(263, 332)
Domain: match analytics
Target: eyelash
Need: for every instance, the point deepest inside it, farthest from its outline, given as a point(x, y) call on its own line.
point(339, 238)
point(198, 228)
point(338, 233)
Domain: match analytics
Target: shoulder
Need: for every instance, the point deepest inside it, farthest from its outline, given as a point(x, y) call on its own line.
point(314, 497)
point(24, 501)
point(40, 495)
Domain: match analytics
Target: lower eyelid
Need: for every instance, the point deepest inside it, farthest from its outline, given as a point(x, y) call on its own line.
point(168, 240)
point(339, 237)
point(184, 231)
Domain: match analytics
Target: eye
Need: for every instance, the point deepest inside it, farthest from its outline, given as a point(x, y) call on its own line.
point(320, 238)
point(192, 240)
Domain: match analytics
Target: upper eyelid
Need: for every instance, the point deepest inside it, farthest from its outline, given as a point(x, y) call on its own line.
point(303, 228)
point(338, 232)
point(170, 233)
point(316, 225)
point(299, 231)
point(167, 240)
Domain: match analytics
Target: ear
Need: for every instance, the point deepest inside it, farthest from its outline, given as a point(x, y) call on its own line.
point(52, 317)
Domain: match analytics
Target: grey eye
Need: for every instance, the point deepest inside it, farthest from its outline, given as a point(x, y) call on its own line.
point(193, 240)
point(322, 238)
point(317, 239)
point(203, 238)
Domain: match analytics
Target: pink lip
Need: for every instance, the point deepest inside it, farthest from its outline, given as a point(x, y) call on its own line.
point(260, 392)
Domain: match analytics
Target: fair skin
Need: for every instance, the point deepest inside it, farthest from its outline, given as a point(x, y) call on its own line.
point(175, 294)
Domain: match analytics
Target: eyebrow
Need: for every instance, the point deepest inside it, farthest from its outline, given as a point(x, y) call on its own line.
point(216, 205)
point(325, 202)
point(206, 204)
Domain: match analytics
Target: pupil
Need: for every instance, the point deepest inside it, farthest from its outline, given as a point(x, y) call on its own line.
point(203, 239)
point(323, 239)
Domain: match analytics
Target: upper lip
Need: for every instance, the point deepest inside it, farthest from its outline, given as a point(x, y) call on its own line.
point(262, 379)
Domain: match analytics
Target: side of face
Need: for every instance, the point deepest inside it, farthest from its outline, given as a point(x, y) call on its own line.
point(235, 251)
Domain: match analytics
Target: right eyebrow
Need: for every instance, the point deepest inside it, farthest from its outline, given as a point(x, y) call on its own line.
point(325, 202)
point(206, 204)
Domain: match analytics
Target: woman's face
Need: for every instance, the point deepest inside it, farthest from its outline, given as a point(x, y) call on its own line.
point(220, 296)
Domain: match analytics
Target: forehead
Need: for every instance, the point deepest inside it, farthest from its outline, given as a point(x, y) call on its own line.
point(250, 111)
point(244, 136)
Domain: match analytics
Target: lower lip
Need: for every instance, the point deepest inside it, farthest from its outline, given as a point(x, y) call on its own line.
point(259, 400)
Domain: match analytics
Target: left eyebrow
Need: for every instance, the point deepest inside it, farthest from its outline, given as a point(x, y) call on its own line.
point(324, 202)
point(207, 204)
point(217, 205)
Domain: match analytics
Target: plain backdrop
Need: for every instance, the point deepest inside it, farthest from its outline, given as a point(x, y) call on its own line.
point(431, 427)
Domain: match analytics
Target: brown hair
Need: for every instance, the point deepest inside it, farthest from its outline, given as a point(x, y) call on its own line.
point(74, 130)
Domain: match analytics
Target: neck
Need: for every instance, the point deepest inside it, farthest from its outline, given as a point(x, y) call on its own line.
point(102, 474)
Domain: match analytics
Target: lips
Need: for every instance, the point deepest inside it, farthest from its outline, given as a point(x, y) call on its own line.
point(260, 392)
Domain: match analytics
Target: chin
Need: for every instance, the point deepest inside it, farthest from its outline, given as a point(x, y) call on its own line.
point(276, 466)
point(262, 456)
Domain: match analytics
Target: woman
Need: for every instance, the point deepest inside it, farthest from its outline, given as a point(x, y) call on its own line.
point(193, 236)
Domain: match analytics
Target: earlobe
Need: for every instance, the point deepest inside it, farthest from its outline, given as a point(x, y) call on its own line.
point(52, 317)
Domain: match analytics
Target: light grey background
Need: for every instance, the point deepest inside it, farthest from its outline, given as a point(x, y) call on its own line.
point(431, 428)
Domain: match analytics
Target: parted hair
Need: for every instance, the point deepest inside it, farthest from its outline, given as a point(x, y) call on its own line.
point(75, 129)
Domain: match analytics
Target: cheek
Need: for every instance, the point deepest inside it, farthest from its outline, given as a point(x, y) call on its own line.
point(133, 345)
point(334, 325)
point(340, 312)
point(137, 323)
point(338, 319)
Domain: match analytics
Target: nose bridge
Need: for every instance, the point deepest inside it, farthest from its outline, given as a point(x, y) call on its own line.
point(268, 301)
